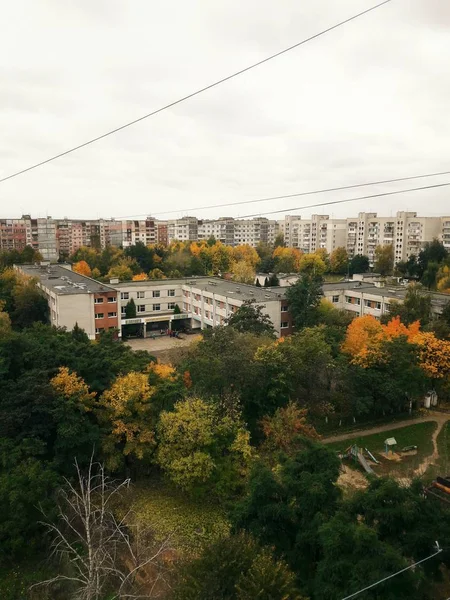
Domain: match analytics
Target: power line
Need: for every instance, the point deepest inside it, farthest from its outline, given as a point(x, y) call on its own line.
point(309, 193)
point(283, 210)
point(439, 550)
point(196, 93)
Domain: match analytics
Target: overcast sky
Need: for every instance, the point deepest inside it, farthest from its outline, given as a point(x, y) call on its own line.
point(365, 102)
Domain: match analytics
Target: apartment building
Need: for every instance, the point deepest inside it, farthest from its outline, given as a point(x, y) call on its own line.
point(444, 236)
point(406, 232)
point(311, 234)
point(75, 299)
point(204, 302)
point(234, 232)
point(221, 229)
point(182, 230)
point(15, 234)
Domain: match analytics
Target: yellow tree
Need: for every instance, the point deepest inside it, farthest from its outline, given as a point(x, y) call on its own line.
point(287, 260)
point(70, 385)
point(246, 253)
point(221, 257)
point(443, 277)
point(128, 410)
point(82, 268)
point(140, 277)
point(243, 272)
point(5, 321)
point(434, 355)
point(312, 264)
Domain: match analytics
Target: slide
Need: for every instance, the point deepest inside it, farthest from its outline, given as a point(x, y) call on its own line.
point(363, 462)
point(372, 457)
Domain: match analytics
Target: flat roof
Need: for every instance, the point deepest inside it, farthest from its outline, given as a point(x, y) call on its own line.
point(216, 285)
point(63, 281)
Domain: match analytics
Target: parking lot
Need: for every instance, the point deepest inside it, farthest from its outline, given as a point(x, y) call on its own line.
point(162, 346)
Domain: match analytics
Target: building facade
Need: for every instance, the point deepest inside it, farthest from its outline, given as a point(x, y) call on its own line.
point(75, 299)
point(309, 235)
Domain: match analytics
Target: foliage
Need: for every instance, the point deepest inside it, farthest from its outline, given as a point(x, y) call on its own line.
point(128, 410)
point(21, 299)
point(384, 259)
point(130, 309)
point(432, 252)
point(82, 268)
point(312, 266)
point(416, 306)
point(359, 264)
point(243, 272)
point(236, 568)
point(283, 430)
point(286, 508)
point(286, 260)
point(304, 298)
point(339, 262)
point(198, 446)
point(140, 277)
point(250, 318)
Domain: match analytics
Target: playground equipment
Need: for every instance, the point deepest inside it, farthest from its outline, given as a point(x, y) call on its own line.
point(372, 457)
point(440, 488)
point(356, 453)
point(390, 444)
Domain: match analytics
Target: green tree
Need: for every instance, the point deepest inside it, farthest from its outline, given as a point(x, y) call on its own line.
point(273, 280)
point(202, 450)
point(384, 259)
point(353, 558)
point(143, 255)
point(416, 306)
point(304, 298)
point(408, 268)
point(257, 284)
point(250, 318)
point(339, 261)
point(359, 264)
point(286, 507)
point(432, 252)
point(430, 274)
point(235, 568)
point(130, 309)
point(279, 240)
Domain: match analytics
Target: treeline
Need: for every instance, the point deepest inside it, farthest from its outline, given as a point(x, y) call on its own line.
point(184, 259)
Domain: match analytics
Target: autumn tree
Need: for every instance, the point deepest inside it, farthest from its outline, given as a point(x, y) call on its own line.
point(250, 318)
point(339, 261)
point(82, 268)
point(312, 265)
point(243, 272)
point(384, 259)
point(246, 253)
point(140, 277)
point(287, 260)
point(128, 416)
point(156, 274)
point(443, 276)
point(283, 431)
point(201, 449)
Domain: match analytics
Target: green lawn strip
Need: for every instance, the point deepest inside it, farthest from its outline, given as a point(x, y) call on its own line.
point(442, 466)
point(192, 523)
point(418, 435)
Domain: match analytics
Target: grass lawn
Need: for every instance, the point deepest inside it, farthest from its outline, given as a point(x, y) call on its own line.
point(191, 523)
point(418, 435)
point(442, 466)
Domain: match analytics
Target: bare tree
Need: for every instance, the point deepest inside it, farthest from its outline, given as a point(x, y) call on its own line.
point(97, 551)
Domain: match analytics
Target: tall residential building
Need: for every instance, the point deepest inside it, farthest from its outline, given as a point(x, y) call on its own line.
point(182, 230)
point(15, 234)
point(445, 232)
point(311, 234)
point(406, 232)
point(233, 232)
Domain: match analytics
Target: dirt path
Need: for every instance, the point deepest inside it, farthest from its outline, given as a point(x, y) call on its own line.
point(429, 460)
point(439, 418)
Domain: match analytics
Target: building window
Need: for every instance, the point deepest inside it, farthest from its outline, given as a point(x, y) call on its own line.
point(111, 315)
point(140, 295)
point(123, 310)
point(171, 292)
point(157, 307)
point(99, 330)
point(284, 308)
point(124, 295)
point(156, 294)
point(98, 300)
point(140, 308)
point(284, 325)
point(171, 305)
point(100, 315)
point(378, 305)
point(111, 299)
point(335, 299)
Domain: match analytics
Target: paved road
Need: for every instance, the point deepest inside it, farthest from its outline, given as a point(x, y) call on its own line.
point(438, 417)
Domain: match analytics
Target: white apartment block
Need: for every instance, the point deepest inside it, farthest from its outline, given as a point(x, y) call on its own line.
point(234, 232)
point(445, 232)
point(406, 232)
point(182, 230)
point(317, 232)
